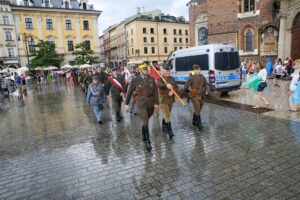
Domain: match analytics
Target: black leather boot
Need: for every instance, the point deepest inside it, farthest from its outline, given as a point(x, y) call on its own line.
point(148, 142)
point(144, 134)
point(198, 121)
point(118, 116)
point(170, 132)
point(194, 120)
point(164, 127)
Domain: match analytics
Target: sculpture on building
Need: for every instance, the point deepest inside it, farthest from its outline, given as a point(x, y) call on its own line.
point(269, 41)
point(202, 36)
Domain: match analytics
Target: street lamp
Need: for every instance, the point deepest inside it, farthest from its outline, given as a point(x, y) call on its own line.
point(27, 52)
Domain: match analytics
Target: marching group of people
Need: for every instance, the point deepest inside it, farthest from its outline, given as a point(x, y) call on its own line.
point(142, 94)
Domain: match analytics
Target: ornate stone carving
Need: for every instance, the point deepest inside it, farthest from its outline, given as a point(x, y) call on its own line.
point(269, 41)
point(202, 36)
point(201, 18)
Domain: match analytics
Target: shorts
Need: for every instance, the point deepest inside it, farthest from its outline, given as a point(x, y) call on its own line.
point(278, 76)
point(261, 89)
point(244, 72)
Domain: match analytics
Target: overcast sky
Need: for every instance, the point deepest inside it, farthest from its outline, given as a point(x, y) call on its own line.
point(114, 11)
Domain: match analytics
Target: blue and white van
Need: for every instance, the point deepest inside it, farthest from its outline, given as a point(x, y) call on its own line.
point(220, 64)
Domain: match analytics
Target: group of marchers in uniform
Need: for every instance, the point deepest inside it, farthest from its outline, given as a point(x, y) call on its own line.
point(143, 94)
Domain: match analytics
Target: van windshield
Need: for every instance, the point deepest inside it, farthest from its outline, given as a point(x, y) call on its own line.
point(227, 60)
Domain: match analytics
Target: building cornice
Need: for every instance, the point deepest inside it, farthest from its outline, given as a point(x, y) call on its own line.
point(55, 10)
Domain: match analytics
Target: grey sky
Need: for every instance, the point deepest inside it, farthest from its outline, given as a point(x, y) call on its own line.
point(114, 11)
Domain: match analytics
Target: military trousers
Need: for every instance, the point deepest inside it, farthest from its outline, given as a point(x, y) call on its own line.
point(98, 112)
point(117, 102)
point(198, 104)
point(166, 109)
point(145, 113)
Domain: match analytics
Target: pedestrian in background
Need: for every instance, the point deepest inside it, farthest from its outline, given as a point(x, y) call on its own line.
point(278, 71)
point(244, 69)
point(18, 80)
point(263, 74)
point(294, 84)
point(269, 67)
point(96, 97)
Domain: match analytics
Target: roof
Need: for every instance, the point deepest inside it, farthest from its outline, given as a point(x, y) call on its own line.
point(160, 18)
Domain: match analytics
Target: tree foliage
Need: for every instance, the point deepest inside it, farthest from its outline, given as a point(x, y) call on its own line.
point(45, 55)
point(84, 55)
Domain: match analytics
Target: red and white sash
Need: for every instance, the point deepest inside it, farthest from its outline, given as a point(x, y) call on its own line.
point(116, 83)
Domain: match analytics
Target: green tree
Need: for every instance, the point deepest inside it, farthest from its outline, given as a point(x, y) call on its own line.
point(84, 54)
point(45, 55)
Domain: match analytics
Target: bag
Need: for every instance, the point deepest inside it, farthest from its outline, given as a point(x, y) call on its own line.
point(193, 92)
point(263, 85)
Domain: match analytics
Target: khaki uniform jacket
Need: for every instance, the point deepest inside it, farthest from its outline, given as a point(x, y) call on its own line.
point(164, 97)
point(146, 90)
point(197, 82)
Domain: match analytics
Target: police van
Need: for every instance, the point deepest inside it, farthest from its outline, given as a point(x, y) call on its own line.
point(220, 65)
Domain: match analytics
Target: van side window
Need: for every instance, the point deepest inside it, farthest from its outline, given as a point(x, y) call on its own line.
point(186, 63)
point(227, 60)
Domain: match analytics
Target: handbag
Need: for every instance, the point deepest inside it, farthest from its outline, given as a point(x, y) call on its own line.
point(263, 85)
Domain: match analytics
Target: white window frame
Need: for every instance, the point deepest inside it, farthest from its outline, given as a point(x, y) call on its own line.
point(50, 27)
point(11, 52)
point(5, 20)
point(8, 36)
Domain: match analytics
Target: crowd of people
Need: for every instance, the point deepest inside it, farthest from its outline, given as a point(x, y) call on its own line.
point(257, 75)
point(141, 93)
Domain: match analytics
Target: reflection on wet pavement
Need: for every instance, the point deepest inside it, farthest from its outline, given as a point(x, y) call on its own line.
point(52, 148)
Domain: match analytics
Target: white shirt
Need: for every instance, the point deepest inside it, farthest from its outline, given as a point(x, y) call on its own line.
point(279, 70)
point(263, 74)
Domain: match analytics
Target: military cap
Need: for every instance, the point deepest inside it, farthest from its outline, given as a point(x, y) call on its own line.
point(115, 69)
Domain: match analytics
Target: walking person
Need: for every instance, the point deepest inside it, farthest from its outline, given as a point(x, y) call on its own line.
point(116, 86)
point(147, 101)
point(293, 86)
point(269, 67)
point(18, 80)
point(42, 81)
point(278, 71)
point(199, 88)
point(244, 69)
point(167, 99)
point(263, 74)
point(96, 97)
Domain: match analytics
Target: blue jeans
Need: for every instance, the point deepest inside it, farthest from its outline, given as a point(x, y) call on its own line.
point(98, 112)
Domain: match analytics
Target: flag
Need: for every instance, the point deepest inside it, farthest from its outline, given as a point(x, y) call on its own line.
point(154, 74)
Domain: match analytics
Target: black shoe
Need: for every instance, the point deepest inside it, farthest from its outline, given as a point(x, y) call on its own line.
point(164, 127)
point(170, 132)
point(198, 122)
point(118, 116)
point(148, 142)
point(100, 122)
point(144, 134)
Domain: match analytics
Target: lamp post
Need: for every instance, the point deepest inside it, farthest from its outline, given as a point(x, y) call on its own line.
point(27, 51)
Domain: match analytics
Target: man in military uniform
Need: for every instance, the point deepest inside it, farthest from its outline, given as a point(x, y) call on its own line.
point(199, 88)
point(87, 80)
point(147, 100)
point(96, 97)
point(167, 99)
point(116, 86)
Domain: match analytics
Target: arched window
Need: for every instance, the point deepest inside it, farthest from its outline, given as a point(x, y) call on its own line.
point(84, 6)
point(249, 40)
point(67, 5)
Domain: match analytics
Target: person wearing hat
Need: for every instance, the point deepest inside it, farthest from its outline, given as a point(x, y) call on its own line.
point(116, 86)
point(133, 75)
point(96, 97)
point(167, 99)
point(295, 87)
point(146, 91)
point(199, 88)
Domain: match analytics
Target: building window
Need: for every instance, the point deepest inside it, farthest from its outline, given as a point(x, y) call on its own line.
point(174, 31)
point(166, 49)
point(88, 44)
point(186, 32)
point(180, 40)
point(249, 40)
point(70, 45)
point(67, 5)
point(165, 31)
point(131, 40)
point(132, 51)
point(145, 50)
point(152, 30)
point(84, 6)
point(175, 48)
point(86, 26)
point(49, 24)
point(26, 3)
point(145, 39)
point(152, 39)
point(31, 46)
point(47, 3)
point(52, 43)
point(249, 5)
point(165, 40)
point(144, 30)
point(175, 40)
point(180, 47)
point(186, 40)
point(8, 36)
point(68, 24)
point(11, 52)
point(5, 20)
point(131, 31)
point(153, 50)
point(28, 23)
point(180, 32)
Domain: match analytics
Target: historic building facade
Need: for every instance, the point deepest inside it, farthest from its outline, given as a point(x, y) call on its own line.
point(152, 39)
point(8, 38)
point(63, 23)
point(253, 25)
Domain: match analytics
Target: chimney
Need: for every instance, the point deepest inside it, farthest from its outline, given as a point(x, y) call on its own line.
point(138, 9)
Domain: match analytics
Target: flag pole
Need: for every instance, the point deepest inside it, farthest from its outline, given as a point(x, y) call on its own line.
point(174, 92)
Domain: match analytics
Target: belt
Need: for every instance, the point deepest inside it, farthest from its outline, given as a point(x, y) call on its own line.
point(96, 96)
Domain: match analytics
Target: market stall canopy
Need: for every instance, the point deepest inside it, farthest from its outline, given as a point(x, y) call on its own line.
point(67, 67)
point(85, 66)
point(23, 69)
point(50, 68)
point(39, 68)
point(6, 70)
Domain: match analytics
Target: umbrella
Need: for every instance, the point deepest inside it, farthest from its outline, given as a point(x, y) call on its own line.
point(67, 67)
point(85, 66)
point(24, 69)
point(51, 68)
point(39, 68)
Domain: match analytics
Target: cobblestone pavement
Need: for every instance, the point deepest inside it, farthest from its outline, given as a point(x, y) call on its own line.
point(278, 98)
point(52, 148)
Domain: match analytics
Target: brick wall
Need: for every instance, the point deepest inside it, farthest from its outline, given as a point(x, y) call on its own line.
point(230, 38)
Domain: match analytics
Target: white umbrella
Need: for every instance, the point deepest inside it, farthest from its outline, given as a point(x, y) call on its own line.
point(85, 66)
point(24, 69)
point(39, 68)
point(51, 68)
point(12, 70)
point(67, 67)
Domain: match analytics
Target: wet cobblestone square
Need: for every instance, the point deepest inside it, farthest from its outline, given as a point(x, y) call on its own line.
point(52, 148)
